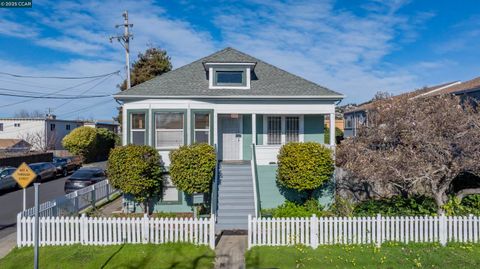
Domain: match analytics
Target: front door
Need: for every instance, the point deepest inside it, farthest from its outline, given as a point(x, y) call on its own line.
point(231, 136)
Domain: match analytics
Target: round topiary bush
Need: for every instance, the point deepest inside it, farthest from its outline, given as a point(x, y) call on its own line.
point(304, 166)
point(136, 170)
point(82, 141)
point(192, 167)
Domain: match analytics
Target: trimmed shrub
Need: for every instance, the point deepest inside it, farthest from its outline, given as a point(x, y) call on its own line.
point(91, 143)
point(82, 141)
point(338, 135)
point(397, 206)
point(304, 166)
point(291, 210)
point(192, 167)
point(136, 170)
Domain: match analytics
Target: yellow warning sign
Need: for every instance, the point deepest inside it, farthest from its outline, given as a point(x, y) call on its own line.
point(24, 175)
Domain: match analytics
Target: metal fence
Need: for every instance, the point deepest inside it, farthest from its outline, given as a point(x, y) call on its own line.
point(73, 203)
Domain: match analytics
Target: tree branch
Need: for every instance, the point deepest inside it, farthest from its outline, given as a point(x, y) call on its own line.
point(461, 194)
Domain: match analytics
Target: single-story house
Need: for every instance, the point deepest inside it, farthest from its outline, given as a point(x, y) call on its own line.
point(244, 106)
point(14, 145)
point(356, 116)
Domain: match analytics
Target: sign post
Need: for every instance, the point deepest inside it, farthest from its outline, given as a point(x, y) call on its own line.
point(37, 229)
point(24, 175)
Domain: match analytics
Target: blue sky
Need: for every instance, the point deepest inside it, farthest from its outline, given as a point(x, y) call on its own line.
point(354, 47)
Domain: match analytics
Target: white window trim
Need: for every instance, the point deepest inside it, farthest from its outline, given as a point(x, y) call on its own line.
point(301, 130)
point(169, 130)
point(204, 130)
point(137, 130)
point(211, 77)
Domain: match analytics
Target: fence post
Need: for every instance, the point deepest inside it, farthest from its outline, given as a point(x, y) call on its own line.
point(83, 229)
point(212, 231)
point(442, 229)
point(145, 229)
point(77, 206)
point(314, 231)
point(379, 225)
point(19, 229)
point(108, 191)
point(94, 196)
point(249, 234)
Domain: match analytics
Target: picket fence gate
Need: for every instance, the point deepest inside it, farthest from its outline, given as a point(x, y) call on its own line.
point(362, 230)
point(111, 231)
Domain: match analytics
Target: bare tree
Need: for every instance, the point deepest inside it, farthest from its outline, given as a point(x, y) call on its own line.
point(39, 140)
point(415, 146)
point(23, 113)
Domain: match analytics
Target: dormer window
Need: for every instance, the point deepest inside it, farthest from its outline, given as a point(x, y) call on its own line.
point(229, 75)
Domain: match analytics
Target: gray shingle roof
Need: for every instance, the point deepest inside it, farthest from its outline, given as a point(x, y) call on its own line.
point(191, 80)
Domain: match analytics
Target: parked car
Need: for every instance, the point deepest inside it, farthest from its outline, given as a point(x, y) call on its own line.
point(64, 166)
point(6, 180)
point(76, 161)
point(84, 177)
point(44, 171)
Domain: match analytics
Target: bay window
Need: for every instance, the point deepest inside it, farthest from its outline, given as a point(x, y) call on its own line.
point(169, 130)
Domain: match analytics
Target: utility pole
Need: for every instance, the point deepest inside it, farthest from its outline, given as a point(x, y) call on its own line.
point(124, 40)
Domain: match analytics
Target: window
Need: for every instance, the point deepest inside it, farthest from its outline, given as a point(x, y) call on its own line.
point(1, 127)
point(52, 127)
point(137, 128)
point(348, 122)
point(67, 127)
point(274, 130)
point(202, 128)
point(292, 129)
point(169, 129)
point(170, 192)
point(16, 124)
point(229, 77)
point(283, 129)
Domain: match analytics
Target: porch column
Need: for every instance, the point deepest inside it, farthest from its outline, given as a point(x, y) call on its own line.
point(332, 129)
point(215, 128)
point(254, 128)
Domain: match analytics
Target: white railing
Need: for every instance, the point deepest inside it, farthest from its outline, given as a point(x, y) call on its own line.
point(111, 231)
point(74, 202)
point(362, 230)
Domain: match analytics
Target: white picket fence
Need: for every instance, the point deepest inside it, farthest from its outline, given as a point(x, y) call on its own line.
point(112, 231)
point(362, 230)
point(74, 202)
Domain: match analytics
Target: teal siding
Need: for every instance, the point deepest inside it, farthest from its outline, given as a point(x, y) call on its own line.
point(259, 129)
point(180, 207)
point(247, 137)
point(272, 196)
point(314, 128)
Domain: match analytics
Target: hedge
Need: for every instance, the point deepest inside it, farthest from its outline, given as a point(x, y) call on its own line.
point(304, 166)
point(136, 170)
point(192, 168)
point(93, 144)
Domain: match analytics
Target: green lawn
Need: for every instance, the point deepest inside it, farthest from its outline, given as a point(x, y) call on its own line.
point(178, 256)
point(388, 256)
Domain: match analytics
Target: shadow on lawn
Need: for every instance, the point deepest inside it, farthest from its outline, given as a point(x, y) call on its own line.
point(145, 262)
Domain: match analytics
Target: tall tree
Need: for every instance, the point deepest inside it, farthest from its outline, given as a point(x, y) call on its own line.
point(416, 146)
point(153, 62)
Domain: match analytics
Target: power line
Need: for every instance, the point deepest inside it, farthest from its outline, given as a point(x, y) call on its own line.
point(84, 108)
point(57, 77)
point(55, 92)
point(124, 40)
point(55, 97)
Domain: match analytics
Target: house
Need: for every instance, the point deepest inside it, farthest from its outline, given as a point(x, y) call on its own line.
point(106, 124)
point(14, 145)
point(357, 116)
point(247, 108)
point(42, 133)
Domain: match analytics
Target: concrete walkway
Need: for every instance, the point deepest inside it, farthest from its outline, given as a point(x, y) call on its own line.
point(7, 243)
point(230, 252)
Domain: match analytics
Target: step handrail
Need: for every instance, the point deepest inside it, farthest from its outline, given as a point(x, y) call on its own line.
point(214, 194)
point(256, 195)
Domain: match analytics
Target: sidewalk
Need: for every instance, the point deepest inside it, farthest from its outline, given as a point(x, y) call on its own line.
point(230, 252)
point(7, 244)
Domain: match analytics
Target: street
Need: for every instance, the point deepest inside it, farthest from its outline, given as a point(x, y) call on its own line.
point(11, 202)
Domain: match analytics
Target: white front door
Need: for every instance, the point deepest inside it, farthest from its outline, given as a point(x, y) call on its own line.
point(231, 136)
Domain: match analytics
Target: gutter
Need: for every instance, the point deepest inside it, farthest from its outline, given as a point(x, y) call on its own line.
point(322, 97)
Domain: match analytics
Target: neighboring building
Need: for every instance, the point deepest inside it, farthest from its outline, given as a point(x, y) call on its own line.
point(110, 125)
point(234, 101)
point(14, 145)
point(42, 133)
point(357, 116)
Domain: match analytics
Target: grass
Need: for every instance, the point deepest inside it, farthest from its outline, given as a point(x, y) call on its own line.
point(390, 255)
point(178, 256)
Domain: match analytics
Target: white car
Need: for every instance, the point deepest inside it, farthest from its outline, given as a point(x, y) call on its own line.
point(6, 180)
